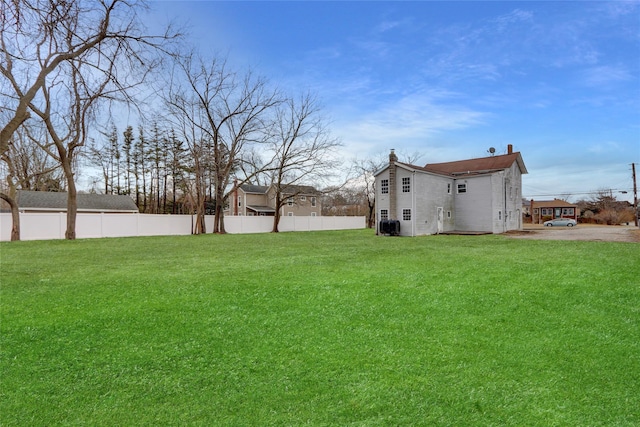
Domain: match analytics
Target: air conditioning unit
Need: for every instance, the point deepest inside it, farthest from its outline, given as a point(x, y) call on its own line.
point(389, 227)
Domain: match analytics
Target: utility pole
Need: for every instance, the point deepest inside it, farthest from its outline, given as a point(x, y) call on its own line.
point(635, 193)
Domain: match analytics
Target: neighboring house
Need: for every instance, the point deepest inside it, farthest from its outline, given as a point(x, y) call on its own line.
point(475, 195)
point(259, 200)
point(45, 201)
point(544, 210)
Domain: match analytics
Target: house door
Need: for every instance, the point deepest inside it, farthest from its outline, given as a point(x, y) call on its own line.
point(558, 213)
point(440, 220)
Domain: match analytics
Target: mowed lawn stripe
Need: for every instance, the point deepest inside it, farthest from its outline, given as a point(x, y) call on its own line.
point(320, 328)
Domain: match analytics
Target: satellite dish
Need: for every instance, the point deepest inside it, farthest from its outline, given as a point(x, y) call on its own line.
point(492, 150)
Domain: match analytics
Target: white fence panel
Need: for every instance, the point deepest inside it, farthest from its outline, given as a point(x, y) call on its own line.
point(248, 224)
point(87, 226)
point(119, 225)
point(46, 226)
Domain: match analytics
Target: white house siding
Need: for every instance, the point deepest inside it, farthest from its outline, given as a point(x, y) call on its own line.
point(473, 209)
point(432, 195)
point(510, 199)
point(507, 194)
point(405, 201)
point(382, 200)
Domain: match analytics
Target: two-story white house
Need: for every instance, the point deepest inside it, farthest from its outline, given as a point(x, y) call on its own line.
point(474, 195)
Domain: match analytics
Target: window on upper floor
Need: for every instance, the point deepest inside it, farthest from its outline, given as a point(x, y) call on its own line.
point(449, 188)
point(290, 201)
point(313, 202)
point(384, 186)
point(303, 198)
point(406, 185)
point(462, 188)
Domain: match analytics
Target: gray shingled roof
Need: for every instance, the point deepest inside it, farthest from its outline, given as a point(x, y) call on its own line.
point(43, 200)
point(249, 188)
point(298, 189)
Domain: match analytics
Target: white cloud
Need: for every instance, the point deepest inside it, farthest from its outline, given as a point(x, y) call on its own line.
point(409, 122)
point(605, 75)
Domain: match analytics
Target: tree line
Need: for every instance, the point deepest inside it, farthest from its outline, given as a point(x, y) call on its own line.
point(149, 164)
point(64, 65)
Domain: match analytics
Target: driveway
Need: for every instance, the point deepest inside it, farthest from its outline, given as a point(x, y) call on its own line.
point(605, 233)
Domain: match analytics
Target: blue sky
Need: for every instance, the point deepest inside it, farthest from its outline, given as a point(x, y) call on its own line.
point(560, 81)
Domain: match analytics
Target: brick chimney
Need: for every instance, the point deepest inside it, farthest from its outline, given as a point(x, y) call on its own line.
point(509, 149)
point(392, 185)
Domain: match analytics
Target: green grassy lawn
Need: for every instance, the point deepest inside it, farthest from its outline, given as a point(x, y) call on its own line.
point(322, 328)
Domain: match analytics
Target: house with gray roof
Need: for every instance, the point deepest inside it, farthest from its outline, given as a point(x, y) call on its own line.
point(259, 200)
point(474, 195)
point(44, 201)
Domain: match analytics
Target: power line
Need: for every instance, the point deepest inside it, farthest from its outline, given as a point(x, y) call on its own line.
point(573, 193)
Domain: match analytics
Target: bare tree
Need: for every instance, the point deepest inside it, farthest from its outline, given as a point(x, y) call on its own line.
point(301, 148)
point(87, 50)
point(68, 131)
point(38, 36)
point(27, 167)
point(224, 113)
point(365, 181)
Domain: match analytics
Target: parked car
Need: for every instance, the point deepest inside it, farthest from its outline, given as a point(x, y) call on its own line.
point(560, 222)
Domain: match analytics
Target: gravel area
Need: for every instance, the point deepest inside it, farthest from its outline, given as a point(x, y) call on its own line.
point(605, 233)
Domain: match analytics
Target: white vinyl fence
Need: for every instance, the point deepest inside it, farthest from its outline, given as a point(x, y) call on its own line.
point(46, 226)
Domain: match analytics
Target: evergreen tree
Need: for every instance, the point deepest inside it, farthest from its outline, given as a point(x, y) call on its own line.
point(126, 148)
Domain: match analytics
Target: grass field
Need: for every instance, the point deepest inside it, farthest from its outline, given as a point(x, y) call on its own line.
point(321, 328)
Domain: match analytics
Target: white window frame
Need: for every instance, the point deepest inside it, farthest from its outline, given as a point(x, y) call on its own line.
point(290, 201)
point(313, 202)
point(384, 186)
point(462, 188)
point(406, 214)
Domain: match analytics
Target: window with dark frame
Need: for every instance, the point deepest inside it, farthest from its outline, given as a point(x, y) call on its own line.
point(406, 185)
point(406, 214)
point(384, 214)
point(462, 188)
point(384, 186)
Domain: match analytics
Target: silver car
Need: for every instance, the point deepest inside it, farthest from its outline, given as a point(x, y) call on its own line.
point(560, 222)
